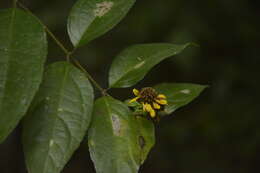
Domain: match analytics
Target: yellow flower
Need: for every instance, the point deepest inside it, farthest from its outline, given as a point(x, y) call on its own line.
point(134, 100)
point(148, 108)
point(136, 92)
point(150, 100)
point(161, 101)
point(156, 106)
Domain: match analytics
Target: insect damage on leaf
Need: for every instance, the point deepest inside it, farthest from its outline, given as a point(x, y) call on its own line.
point(141, 142)
point(139, 65)
point(116, 125)
point(185, 91)
point(103, 8)
point(51, 143)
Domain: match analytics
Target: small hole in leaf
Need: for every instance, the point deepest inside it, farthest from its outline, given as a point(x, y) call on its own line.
point(141, 142)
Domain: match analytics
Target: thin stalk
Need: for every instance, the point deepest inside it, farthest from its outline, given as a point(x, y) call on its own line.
point(14, 3)
point(103, 91)
point(65, 50)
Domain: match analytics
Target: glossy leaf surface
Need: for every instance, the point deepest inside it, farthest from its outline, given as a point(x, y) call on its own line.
point(90, 19)
point(23, 50)
point(179, 94)
point(118, 140)
point(132, 64)
point(58, 118)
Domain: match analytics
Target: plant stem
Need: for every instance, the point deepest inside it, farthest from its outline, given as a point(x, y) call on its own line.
point(103, 91)
point(65, 50)
point(14, 3)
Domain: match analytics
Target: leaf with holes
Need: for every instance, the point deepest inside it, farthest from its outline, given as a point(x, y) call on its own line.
point(118, 140)
point(58, 118)
point(90, 19)
point(131, 65)
point(179, 94)
point(23, 50)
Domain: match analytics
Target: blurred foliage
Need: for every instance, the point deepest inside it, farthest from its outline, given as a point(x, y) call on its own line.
point(216, 133)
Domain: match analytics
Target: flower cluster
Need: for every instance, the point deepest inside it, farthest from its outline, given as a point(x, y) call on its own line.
point(151, 101)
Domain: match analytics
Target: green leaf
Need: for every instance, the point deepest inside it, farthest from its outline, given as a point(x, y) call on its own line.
point(23, 50)
point(58, 119)
point(131, 65)
point(179, 94)
point(119, 142)
point(90, 19)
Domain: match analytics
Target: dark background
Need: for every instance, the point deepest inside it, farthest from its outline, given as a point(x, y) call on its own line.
point(219, 131)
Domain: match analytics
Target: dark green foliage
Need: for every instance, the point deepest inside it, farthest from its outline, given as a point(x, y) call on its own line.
point(118, 140)
point(131, 65)
point(58, 118)
point(21, 67)
point(90, 19)
point(179, 94)
point(60, 114)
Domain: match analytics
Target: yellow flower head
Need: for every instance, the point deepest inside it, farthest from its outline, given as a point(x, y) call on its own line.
point(150, 100)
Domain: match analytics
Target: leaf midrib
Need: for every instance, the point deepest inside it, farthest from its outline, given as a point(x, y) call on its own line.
point(132, 67)
point(110, 114)
point(115, 141)
point(56, 117)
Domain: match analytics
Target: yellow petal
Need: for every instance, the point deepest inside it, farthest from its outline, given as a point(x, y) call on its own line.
point(161, 102)
point(143, 107)
point(161, 96)
point(152, 113)
point(136, 92)
point(156, 106)
point(147, 107)
point(134, 100)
